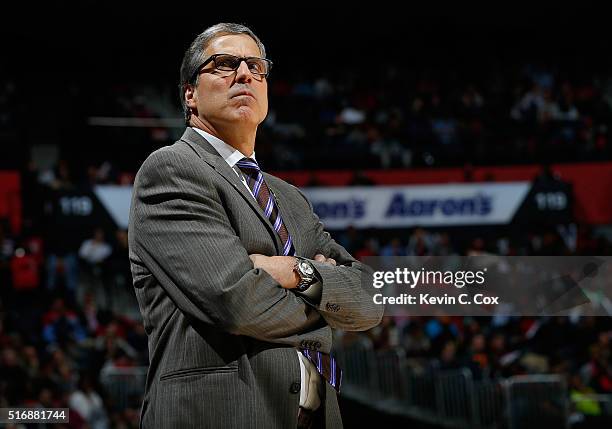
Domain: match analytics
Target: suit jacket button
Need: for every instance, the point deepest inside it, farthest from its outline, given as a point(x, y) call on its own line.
point(317, 345)
point(295, 387)
point(330, 306)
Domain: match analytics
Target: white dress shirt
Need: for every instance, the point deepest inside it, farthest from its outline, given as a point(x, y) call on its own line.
point(310, 378)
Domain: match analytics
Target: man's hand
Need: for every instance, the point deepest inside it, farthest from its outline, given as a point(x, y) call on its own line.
point(280, 268)
point(322, 258)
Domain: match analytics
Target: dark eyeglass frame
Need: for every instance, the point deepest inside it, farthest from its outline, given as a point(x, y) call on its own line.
point(213, 58)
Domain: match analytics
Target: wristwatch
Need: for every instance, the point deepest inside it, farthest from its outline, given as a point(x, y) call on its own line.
point(304, 268)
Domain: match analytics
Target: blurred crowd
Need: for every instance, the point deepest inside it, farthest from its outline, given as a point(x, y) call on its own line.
point(67, 311)
point(62, 329)
point(396, 116)
point(577, 347)
point(68, 314)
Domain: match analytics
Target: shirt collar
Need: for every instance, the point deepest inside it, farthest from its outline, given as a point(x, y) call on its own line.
point(230, 154)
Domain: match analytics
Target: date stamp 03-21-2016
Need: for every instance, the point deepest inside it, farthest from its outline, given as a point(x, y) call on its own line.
point(33, 415)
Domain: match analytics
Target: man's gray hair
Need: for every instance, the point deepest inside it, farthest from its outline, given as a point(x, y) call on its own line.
point(194, 56)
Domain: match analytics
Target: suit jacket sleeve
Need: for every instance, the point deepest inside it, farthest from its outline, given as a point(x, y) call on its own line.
point(346, 298)
point(180, 230)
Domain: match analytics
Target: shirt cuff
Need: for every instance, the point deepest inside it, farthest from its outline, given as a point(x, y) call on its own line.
point(311, 382)
point(304, 378)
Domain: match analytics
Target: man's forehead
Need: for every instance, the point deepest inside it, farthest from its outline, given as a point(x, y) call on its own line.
point(239, 44)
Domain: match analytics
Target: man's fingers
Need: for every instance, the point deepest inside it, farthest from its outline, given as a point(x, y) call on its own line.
point(321, 258)
point(256, 258)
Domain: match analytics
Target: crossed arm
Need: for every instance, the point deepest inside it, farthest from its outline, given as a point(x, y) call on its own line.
point(281, 267)
point(181, 232)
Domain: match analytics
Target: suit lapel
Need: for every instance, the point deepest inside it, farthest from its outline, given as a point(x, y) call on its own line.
point(212, 157)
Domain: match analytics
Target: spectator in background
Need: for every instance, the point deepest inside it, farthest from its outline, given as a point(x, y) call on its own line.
point(476, 357)
point(529, 106)
point(351, 239)
point(47, 398)
point(414, 340)
point(598, 371)
point(389, 151)
point(393, 248)
point(420, 243)
point(369, 248)
point(90, 313)
point(12, 376)
point(120, 274)
point(386, 334)
point(31, 361)
point(88, 403)
point(442, 245)
point(111, 344)
point(59, 177)
point(61, 325)
point(447, 358)
point(95, 251)
point(440, 330)
point(130, 418)
point(137, 339)
point(60, 238)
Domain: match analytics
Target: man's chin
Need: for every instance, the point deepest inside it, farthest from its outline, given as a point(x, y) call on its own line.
point(246, 114)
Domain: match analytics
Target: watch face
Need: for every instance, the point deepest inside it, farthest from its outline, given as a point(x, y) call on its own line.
point(306, 268)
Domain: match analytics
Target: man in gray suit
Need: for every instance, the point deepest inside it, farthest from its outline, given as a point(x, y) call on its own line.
point(238, 284)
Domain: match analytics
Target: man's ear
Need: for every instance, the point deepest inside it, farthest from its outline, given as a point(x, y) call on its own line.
point(190, 96)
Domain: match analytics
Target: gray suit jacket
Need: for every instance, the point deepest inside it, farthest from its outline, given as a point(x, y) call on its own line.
point(222, 335)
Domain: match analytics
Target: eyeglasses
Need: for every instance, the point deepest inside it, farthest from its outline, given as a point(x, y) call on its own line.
point(229, 63)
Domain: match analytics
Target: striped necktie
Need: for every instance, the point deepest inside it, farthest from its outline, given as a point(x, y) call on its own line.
point(262, 194)
point(325, 364)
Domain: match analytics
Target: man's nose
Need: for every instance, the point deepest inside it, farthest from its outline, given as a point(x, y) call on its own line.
point(243, 74)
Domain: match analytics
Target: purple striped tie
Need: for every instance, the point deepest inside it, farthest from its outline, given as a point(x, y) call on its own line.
point(325, 364)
